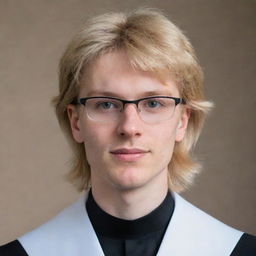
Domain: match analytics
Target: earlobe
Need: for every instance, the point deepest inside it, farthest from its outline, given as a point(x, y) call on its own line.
point(75, 123)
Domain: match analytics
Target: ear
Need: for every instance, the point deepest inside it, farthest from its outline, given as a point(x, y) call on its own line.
point(183, 123)
point(75, 123)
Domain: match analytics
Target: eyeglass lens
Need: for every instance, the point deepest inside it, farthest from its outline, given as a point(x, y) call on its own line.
point(150, 110)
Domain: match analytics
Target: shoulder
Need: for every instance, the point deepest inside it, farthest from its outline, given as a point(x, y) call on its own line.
point(13, 248)
point(58, 229)
point(200, 221)
point(68, 233)
point(200, 231)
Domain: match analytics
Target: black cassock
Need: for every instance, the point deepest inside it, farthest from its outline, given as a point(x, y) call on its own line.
point(146, 236)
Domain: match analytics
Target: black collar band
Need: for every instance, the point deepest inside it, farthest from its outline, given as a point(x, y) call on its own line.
point(113, 227)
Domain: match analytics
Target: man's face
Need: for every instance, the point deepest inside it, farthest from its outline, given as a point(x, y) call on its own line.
point(112, 75)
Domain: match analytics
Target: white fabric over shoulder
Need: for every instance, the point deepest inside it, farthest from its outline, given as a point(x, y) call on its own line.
point(193, 232)
point(70, 233)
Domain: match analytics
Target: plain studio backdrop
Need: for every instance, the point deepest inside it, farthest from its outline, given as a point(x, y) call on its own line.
point(34, 155)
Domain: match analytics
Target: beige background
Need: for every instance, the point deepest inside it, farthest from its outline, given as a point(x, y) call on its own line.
point(33, 152)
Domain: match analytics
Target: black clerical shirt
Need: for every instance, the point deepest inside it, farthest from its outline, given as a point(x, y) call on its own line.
point(138, 237)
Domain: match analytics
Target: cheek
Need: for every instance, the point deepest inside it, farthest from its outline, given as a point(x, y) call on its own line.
point(165, 141)
point(167, 132)
point(96, 139)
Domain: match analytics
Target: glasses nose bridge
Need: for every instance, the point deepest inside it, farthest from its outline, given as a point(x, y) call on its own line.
point(125, 102)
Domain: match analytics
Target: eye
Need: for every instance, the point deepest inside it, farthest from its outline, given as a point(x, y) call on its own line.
point(153, 103)
point(105, 105)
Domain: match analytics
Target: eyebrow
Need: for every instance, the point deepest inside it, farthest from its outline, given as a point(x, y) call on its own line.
point(113, 94)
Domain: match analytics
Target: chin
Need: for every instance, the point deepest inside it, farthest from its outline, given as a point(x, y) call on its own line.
point(130, 181)
point(128, 187)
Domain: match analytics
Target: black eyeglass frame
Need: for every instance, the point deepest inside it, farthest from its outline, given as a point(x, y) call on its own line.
point(82, 101)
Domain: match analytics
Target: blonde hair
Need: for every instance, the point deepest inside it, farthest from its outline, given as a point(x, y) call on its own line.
point(152, 43)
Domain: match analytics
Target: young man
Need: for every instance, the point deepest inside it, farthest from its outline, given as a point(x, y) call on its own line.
point(131, 104)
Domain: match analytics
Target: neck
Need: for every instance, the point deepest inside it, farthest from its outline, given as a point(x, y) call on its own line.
point(130, 204)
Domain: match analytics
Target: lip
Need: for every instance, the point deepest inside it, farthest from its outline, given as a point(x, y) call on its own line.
point(128, 151)
point(129, 154)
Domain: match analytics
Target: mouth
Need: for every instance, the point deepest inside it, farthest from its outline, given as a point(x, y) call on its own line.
point(129, 155)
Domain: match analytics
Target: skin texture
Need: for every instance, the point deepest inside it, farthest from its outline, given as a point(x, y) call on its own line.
point(127, 186)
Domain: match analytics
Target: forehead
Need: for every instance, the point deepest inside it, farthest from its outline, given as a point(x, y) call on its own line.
point(113, 74)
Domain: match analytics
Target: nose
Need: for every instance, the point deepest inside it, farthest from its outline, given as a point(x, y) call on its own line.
point(130, 123)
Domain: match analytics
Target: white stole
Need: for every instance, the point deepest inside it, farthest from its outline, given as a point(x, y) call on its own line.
point(190, 232)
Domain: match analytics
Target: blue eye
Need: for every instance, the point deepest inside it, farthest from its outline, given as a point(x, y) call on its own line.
point(153, 103)
point(106, 105)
